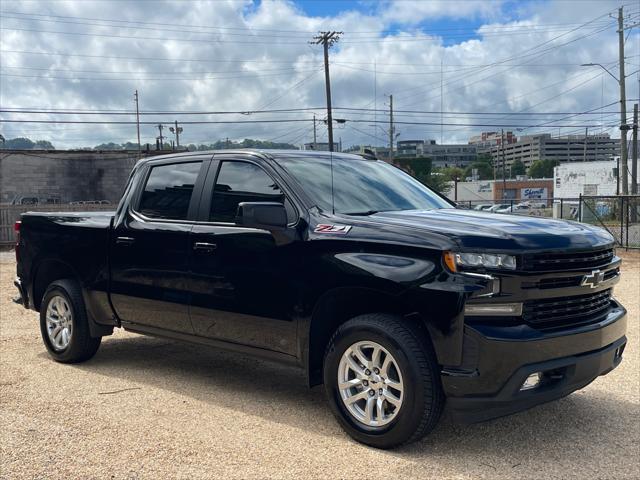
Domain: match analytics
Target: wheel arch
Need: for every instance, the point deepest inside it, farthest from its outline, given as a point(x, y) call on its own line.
point(46, 272)
point(339, 305)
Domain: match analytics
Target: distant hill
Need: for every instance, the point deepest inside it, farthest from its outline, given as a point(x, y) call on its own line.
point(27, 144)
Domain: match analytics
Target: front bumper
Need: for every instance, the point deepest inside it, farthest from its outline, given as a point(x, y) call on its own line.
point(497, 360)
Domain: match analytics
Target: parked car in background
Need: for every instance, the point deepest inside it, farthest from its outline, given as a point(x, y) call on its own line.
point(498, 206)
point(516, 208)
point(483, 206)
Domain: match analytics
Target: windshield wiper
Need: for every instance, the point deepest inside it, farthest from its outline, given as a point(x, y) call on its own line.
point(362, 214)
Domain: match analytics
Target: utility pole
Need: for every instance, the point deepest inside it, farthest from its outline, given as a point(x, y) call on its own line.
point(391, 128)
point(135, 96)
point(177, 131)
point(315, 138)
point(327, 39)
point(160, 137)
point(504, 173)
point(623, 108)
point(584, 153)
point(634, 165)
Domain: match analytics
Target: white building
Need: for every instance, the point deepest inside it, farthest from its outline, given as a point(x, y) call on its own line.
point(585, 178)
point(473, 191)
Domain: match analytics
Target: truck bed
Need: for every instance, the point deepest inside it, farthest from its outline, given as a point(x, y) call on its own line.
point(77, 239)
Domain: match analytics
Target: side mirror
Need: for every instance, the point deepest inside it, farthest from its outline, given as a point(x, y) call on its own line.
point(264, 215)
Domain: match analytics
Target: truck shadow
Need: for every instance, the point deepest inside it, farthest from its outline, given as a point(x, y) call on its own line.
point(279, 394)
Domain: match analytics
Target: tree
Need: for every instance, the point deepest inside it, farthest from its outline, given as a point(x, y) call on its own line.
point(485, 170)
point(450, 173)
point(518, 168)
point(542, 168)
point(109, 146)
point(420, 168)
point(485, 158)
point(21, 143)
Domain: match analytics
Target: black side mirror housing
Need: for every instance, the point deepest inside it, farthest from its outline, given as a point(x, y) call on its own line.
point(264, 215)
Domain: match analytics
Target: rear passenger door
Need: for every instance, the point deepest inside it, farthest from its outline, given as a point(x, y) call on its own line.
point(243, 286)
point(150, 247)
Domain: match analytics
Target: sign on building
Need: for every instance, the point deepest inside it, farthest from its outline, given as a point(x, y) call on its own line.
point(533, 193)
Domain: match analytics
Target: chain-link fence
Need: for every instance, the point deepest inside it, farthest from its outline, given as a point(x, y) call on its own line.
point(620, 214)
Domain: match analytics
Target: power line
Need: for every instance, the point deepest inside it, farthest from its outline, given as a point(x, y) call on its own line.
point(299, 32)
point(287, 120)
point(170, 79)
point(534, 53)
point(280, 110)
point(139, 37)
point(297, 61)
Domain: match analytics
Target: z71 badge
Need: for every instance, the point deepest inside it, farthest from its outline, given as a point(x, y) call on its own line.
point(336, 229)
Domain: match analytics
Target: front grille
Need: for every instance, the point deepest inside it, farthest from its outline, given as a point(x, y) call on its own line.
point(565, 311)
point(563, 282)
point(545, 262)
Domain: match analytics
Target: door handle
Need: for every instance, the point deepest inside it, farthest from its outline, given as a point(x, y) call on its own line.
point(204, 247)
point(125, 240)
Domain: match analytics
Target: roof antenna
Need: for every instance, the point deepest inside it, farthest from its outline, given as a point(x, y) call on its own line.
point(333, 203)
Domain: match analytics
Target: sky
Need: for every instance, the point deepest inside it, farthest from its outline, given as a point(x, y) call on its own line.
point(455, 68)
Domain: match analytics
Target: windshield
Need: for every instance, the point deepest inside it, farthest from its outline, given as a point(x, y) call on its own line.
point(361, 186)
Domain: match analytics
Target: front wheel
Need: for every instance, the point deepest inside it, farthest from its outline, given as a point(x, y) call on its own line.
point(382, 381)
point(64, 325)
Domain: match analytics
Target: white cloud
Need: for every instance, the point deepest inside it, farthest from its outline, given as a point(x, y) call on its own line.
point(257, 55)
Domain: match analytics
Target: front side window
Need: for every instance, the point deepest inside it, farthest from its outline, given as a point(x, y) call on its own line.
point(168, 191)
point(242, 182)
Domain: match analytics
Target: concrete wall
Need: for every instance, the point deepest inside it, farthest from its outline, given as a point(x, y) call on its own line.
point(64, 176)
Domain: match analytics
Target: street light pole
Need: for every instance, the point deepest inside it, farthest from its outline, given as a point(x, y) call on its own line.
point(624, 151)
point(623, 108)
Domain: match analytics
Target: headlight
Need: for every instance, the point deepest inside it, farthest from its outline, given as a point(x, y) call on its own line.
point(479, 260)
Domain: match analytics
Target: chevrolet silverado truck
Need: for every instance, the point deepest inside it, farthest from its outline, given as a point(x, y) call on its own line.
point(375, 285)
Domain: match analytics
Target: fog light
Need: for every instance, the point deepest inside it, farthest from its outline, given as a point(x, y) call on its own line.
point(532, 381)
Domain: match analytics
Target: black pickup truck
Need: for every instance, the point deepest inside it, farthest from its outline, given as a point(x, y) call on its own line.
point(346, 266)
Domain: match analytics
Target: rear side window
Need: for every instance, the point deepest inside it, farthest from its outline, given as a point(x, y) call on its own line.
point(168, 191)
point(242, 182)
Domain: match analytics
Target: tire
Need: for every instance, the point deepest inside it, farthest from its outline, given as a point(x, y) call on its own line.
point(65, 297)
point(416, 371)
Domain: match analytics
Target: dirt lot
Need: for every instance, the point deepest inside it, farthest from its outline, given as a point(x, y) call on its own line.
point(149, 408)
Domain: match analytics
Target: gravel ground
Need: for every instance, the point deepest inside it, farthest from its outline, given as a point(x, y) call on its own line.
point(149, 408)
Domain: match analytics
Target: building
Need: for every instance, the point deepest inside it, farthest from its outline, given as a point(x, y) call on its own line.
point(523, 190)
point(568, 148)
point(410, 148)
point(493, 191)
point(594, 178)
point(449, 155)
point(476, 192)
point(321, 146)
point(486, 140)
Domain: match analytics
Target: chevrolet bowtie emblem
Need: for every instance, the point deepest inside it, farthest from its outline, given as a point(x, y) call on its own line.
point(593, 279)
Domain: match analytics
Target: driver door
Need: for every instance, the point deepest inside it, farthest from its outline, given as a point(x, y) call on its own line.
point(242, 278)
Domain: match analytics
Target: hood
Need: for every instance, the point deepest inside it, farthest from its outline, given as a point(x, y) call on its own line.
point(471, 229)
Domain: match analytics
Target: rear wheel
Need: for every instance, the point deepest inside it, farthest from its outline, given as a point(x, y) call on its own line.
point(382, 381)
point(63, 323)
